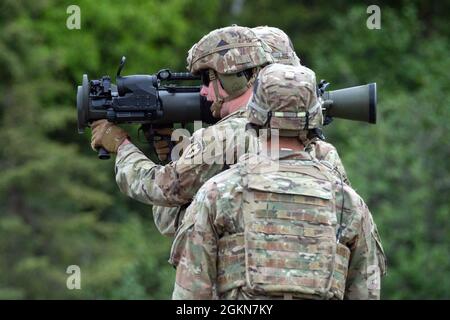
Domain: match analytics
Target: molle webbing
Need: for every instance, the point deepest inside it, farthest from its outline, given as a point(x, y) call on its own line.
point(304, 265)
point(231, 266)
point(288, 248)
point(231, 262)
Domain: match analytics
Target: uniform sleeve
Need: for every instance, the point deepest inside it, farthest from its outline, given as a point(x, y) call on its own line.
point(135, 176)
point(168, 219)
point(367, 261)
point(176, 183)
point(194, 253)
point(327, 152)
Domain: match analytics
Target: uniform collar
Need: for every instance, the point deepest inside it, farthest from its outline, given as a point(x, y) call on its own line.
point(240, 113)
point(291, 155)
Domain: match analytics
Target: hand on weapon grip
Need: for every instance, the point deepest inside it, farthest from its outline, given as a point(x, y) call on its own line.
point(107, 135)
point(162, 142)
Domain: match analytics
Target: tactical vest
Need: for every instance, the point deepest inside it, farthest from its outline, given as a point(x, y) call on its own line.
point(289, 247)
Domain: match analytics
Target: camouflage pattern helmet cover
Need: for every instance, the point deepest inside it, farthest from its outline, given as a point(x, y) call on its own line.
point(285, 97)
point(280, 43)
point(228, 50)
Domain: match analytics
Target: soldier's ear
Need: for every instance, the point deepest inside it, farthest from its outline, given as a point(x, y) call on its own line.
point(233, 83)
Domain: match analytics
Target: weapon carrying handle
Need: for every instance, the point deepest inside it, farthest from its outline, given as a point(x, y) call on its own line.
point(103, 154)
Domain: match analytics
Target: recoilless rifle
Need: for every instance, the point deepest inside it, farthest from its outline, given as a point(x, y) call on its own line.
point(158, 100)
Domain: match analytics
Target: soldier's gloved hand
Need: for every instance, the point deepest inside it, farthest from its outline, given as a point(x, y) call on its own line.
point(161, 142)
point(107, 135)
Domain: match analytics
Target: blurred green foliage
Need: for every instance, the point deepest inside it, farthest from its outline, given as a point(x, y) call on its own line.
point(60, 206)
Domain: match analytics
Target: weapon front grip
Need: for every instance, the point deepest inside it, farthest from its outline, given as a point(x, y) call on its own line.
point(103, 154)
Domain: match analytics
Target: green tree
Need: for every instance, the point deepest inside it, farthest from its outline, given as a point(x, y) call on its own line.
point(59, 205)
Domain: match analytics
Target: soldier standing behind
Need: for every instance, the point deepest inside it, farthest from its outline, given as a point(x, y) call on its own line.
point(279, 227)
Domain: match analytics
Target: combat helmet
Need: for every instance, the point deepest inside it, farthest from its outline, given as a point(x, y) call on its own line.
point(232, 55)
point(285, 98)
point(280, 43)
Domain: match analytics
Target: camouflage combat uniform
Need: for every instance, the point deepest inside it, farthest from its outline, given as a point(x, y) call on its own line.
point(167, 219)
point(226, 51)
point(282, 242)
point(286, 227)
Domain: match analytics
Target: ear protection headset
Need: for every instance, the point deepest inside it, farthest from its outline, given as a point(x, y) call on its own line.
point(234, 84)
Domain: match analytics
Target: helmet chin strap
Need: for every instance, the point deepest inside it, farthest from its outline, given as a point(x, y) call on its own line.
point(219, 100)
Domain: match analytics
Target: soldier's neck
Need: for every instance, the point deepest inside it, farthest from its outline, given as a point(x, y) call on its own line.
point(285, 143)
point(236, 104)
